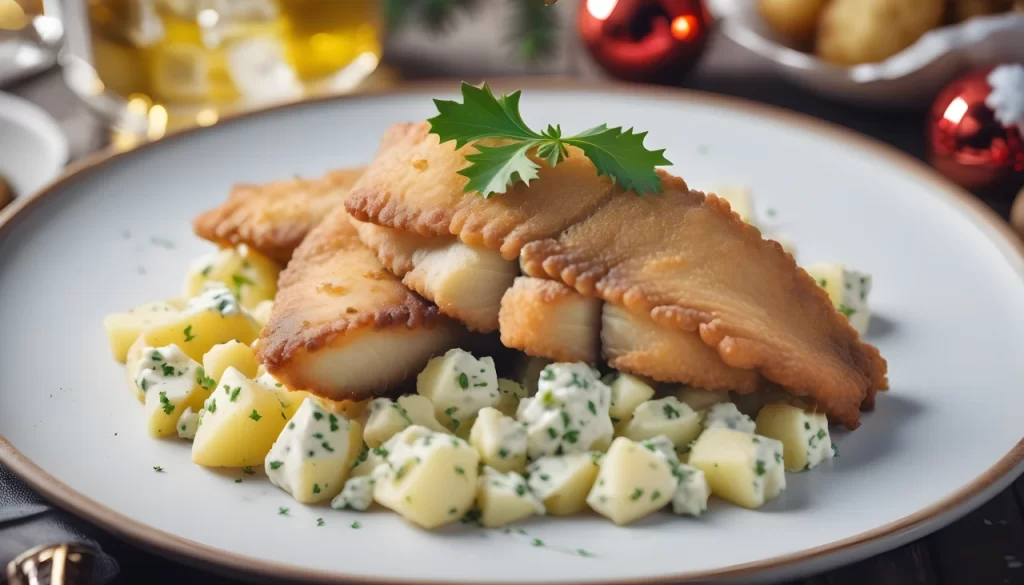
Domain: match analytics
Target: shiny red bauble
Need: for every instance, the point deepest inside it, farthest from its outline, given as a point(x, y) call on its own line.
point(655, 41)
point(975, 132)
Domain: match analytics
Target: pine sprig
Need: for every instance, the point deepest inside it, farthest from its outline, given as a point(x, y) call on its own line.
point(617, 153)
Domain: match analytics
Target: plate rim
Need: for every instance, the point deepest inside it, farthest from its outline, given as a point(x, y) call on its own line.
point(209, 557)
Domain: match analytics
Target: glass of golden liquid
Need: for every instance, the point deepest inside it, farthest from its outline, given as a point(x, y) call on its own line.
point(187, 62)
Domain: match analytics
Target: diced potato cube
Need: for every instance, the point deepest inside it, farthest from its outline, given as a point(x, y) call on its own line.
point(701, 399)
point(633, 482)
point(313, 455)
point(232, 354)
point(847, 289)
point(386, 419)
point(628, 392)
point(124, 328)
point(168, 379)
point(290, 399)
point(241, 423)
point(744, 469)
point(421, 412)
point(726, 415)
point(804, 435)
point(562, 482)
point(202, 326)
point(188, 424)
point(692, 491)
point(459, 385)
point(261, 312)
point(500, 440)
point(504, 498)
point(430, 482)
point(356, 495)
point(666, 416)
point(511, 393)
point(249, 274)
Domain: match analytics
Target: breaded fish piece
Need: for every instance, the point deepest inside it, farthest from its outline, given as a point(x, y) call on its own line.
point(412, 185)
point(275, 217)
point(343, 327)
point(465, 282)
point(545, 318)
point(690, 263)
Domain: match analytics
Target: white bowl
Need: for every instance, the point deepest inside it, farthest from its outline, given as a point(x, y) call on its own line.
point(33, 148)
point(909, 78)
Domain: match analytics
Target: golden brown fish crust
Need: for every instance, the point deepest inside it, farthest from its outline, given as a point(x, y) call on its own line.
point(545, 318)
point(690, 263)
point(275, 217)
point(637, 345)
point(337, 309)
point(412, 185)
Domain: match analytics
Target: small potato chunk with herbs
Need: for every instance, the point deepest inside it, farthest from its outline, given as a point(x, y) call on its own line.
point(250, 275)
point(356, 495)
point(727, 416)
point(188, 424)
point(804, 435)
point(501, 440)
point(628, 392)
point(241, 423)
point(741, 468)
point(847, 289)
point(692, 491)
point(633, 482)
point(422, 412)
point(124, 328)
point(562, 482)
point(667, 417)
point(459, 385)
point(168, 379)
point(569, 414)
point(510, 394)
point(388, 418)
point(231, 354)
point(211, 318)
point(313, 455)
point(290, 399)
point(504, 498)
point(430, 481)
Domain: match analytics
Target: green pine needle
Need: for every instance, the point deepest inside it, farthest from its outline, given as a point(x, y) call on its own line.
point(618, 154)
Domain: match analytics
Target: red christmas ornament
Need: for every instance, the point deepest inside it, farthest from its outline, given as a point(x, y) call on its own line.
point(976, 130)
point(645, 40)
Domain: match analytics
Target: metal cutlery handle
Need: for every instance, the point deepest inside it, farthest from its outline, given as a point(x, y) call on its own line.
point(62, 564)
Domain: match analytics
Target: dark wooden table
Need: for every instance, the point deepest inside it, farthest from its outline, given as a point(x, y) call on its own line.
point(984, 548)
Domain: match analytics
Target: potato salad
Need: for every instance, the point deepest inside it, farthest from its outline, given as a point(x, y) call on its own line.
point(468, 444)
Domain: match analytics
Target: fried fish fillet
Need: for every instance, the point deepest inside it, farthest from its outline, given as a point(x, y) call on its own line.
point(275, 217)
point(412, 185)
point(343, 327)
point(547, 319)
point(465, 282)
point(690, 263)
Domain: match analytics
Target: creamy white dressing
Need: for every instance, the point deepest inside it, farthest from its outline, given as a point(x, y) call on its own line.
point(188, 424)
point(356, 495)
point(725, 414)
point(769, 470)
point(511, 484)
point(166, 370)
point(409, 448)
point(218, 298)
point(663, 447)
point(313, 445)
point(819, 442)
point(569, 413)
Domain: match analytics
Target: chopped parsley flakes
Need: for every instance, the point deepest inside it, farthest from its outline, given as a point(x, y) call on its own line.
point(282, 511)
point(188, 334)
point(165, 403)
point(158, 469)
point(255, 415)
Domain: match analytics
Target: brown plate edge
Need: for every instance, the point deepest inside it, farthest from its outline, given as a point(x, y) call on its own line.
point(197, 554)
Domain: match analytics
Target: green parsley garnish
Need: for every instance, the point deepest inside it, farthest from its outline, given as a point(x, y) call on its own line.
point(552, 433)
point(167, 370)
point(571, 436)
point(165, 403)
point(234, 394)
point(618, 154)
point(821, 434)
point(655, 495)
point(255, 415)
point(357, 525)
point(584, 553)
point(276, 464)
point(203, 380)
point(334, 422)
point(835, 450)
point(463, 381)
point(460, 470)
point(248, 470)
point(319, 522)
point(157, 356)
point(158, 469)
point(282, 511)
point(591, 407)
point(670, 412)
point(637, 493)
point(521, 489)
point(239, 281)
point(317, 415)
point(846, 310)
point(316, 488)
point(212, 408)
point(547, 374)
point(759, 469)
point(238, 480)
point(188, 334)
point(538, 542)
point(206, 271)
point(327, 447)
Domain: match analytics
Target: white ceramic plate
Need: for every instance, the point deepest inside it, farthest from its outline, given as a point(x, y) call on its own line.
point(949, 296)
